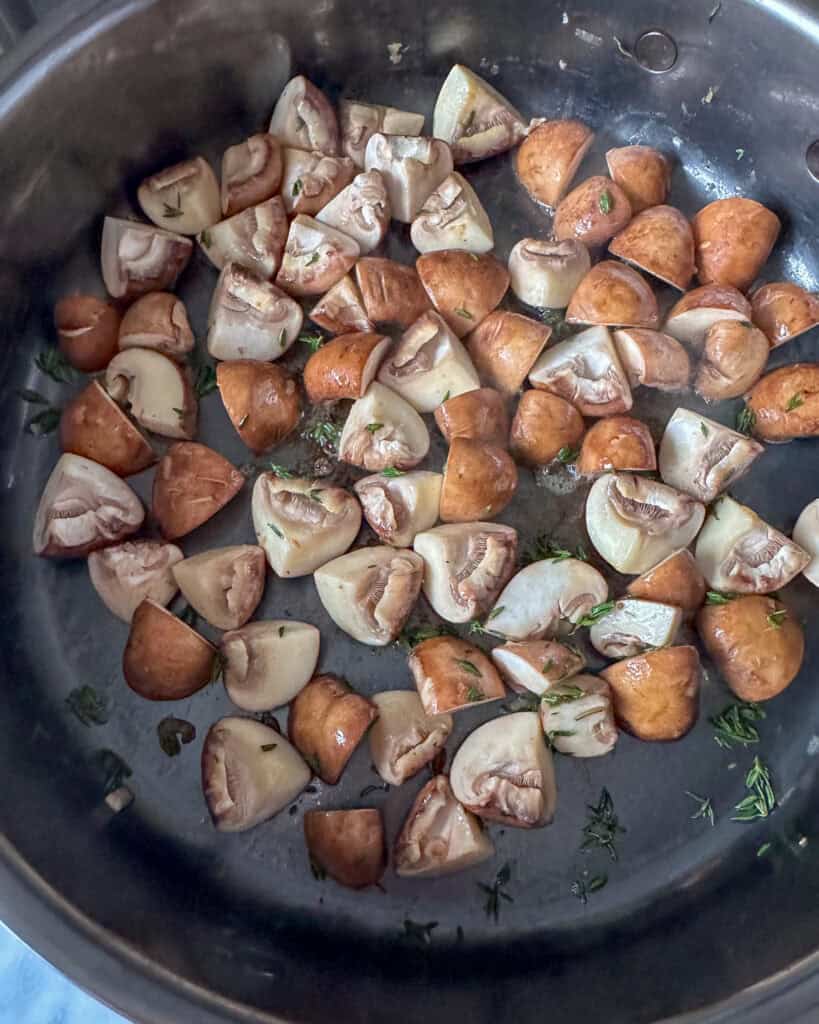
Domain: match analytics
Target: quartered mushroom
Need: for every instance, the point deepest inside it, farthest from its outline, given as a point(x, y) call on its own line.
point(87, 330)
point(349, 846)
point(84, 506)
point(474, 118)
point(660, 242)
point(479, 414)
point(615, 295)
point(784, 310)
point(643, 173)
point(675, 580)
point(466, 567)
point(785, 403)
point(503, 771)
point(806, 535)
point(634, 522)
point(304, 117)
point(251, 172)
point(548, 159)
point(404, 737)
point(480, 479)
point(504, 347)
point(370, 592)
point(184, 197)
point(156, 390)
point(139, 258)
point(311, 179)
point(734, 238)
point(452, 218)
point(656, 694)
point(254, 238)
point(266, 664)
point(451, 674)
point(691, 316)
point(534, 666)
point(578, 717)
point(544, 425)
point(734, 356)
point(617, 442)
point(158, 320)
point(702, 457)
point(359, 121)
point(192, 483)
point(250, 318)
point(739, 552)
point(383, 431)
point(653, 359)
point(94, 426)
point(302, 523)
point(390, 291)
point(586, 371)
point(546, 274)
point(361, 210)
point(412, 167)
point(634, 626)
point(261, 399)
point(345, 366)
point(342, 309)
point(592, 213)
point(464, 287)
point(315, 257)
point(125, 574)
point(224, 585)
point(164, 659)
point(397, 508)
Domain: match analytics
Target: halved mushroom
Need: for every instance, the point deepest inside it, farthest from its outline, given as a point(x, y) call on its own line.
point(467, 565)
point(592, 213)
point(370, 592)
point(164, 659)
point(397, 508)
point(545, 273)
point(184, 197)
point(191, 484)
point(474, 118)
point(383, 431)
point(391, 292)
point(342, 310)
point(806, 535)
point(250, 318)
point(660, 242)
point(480, 479)
point(617, 442)
point(585, 371)
point(504, 347)
point(156, 390)
point(642, 173)
point(84, 506)
point(656, 694)
point(267, 663)
point(361, 210)
point(634, 522)
point(540, 597)
point(503, 772)
point(254, 238)
point(86, 331)
point(691, 316)
point(733, 359)
point(125, 574)
point(653, 359)
point(451, 674)
point(345, 366)
point(702, 457)
point(315, 257)
point(739, 552)
point(348, 845)
point(784, 310)
point(439, 835)
point(675, 580)
point(224, 585)
point(261, 399)
point(311, 179)
point(139, 258)
point(578, 717)
point(548, 160)
point(327, 722)
point(404, 738)
point(634, 626)
point(249, 773)
point(251, 173)
point(464, 287)
point(480, 415)
point(428, 363)
point(785, 403)
point(94, 426)
point(301, 523)
point(544, 425)
point(534, 666)
point(304, 117)
point(452, 218)
point(412, 166)
point(359, 121)
point(158, 320)
point(734, 238)
point(615, 295)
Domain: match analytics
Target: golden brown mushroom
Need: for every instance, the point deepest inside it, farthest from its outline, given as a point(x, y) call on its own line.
point(617, 442)
point(733, 239)
point(87, 330)
point(614, 295)
point(643, 173)
point(593, 212)
point(451, 674)
point(785, 403)
point(675, 580)
point(504, 347)
point(391, 292)
point(192, 483)
point(548, 158)
point(261, 399)
point(94, 426)
point(784, 310)
point(345, 366)
point(733, 358)
point(164, 658)
point(479, 414)
point(158, 320)
point(659, 241)
point(480, 479)
point(348, 845)
point(544, 425)
point(464, 287)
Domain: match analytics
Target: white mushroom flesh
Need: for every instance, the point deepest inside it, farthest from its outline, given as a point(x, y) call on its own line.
point(315, 257)
point(358, 121)
point(251, 172)
point(535, 665)
point(404, 737)
point(156, 390)
point(183, 198)
point(250, 318)
point(653, 359)
point(545, 274)
point(806, 535)
point(586, 371)
point(452, 218)
point(253, 239)
point(412, 168)
point(138, 258)
point(634, 626)
point(474, 118)
point(361, 210)
point(266, 664)
point(342, 310)
point(126, 574)
point(312, 179)
point(223, 585)
point(692, 326)
point(304, 117)
point(578, 717)
point(398, 508)
point(383, 431)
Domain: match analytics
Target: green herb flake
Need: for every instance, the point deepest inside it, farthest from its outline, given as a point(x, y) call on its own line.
point(90, 707)
point(605, 202)
point(705, 808)
point(548, 666)
point(298, 185)
point(598, 612)
point(267, 747)
point(467, 666)
point(496, 612)
point(410, 638)
point(583, 889)
point(282, 472)
point(763, 849)
point(172, 733)
point(464, 313)
point(761, 799)
point(45, 422)
point(391, 472)
point(567, 455)
point(602, 826)
point(276, 530)
point(181, 414)
point(206, 239)
point(325, 434)
point(205, 381)
point(704, 429)
point(775, 619)
point(495, 892)
point(419, 933)
point(740, 153)
point(718, 597)
point(53, 364)
point(746, 420)
point(283, 337)
point(169, 210)
point(315, 493)
point(281, 631)
point(372, 427)
point(446, 397)
point(312, 339)
point(475, 694)
point(565, 695)
point(734, 725)
point(794, 402)
point(313, 258)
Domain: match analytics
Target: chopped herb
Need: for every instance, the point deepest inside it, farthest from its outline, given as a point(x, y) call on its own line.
point(276, 530)
point(605, 202)
point(114, 770)
point(467, 666)
point(446, 397)
point(281, 630)
point(173, 730)
point(313, 258)
point(557, 733)
point(317, 871)
point(794, 402)
point(468, 121)
point(602, 827)
point(763, 849)
point(420, 933)
point(324, 433)
point(206, 239)
point(496, 612)
point(181, 414)
point(217, 668)
point(314, 494)
point(90, 707)
point(474, 694)
point(205, 380)
point(715, 11)
point(372, 427)
point(189, 616)
point(392, 472)
point(45, 422)
point(717, 597)
point(734, 725)
point(53, 364)
point(547, 668)
point(32, 397)
point(282, 472)
point(581, 553)
point(704, 430)
point(267, 747)
point(545, 549)
point(282, 337)
point(598, 612)
point(297, 187)
point(582, 889)
point(522, 702)
point(775, 619)
point(168, 210)
point(746, 420)
point(383, 788)
point(761, 799)
point(464, 313)
point(567, 455)
point(705, 809)
point(565, 695)
point(410, 638)
point(495, 892)
point(313, 340)
point(740, 153)
point(313, 763)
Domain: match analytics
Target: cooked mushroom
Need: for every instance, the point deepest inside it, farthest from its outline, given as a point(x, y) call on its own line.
point(304, 117)
point(412, 166)
point(345, 366)
point(224, 585)
point(138, 258)
point(156, 390)
point(675, 580)
point(617, 442)
point(503, 772)
point(534, 666)
point(342, 309)
point(404, 738)
point(653, 359)
point(452, 218)
point(466, 566)
point(398, 508)
point(656, 694)
point(615, 295)
point(785, 403)
point(504, 347)
point(361, 210)
point(250, 318)
point(158, 320)
point(315, 257)
point(474, 118)
point(698, 310)
point(734, 238)
point(592, 213)
point(359, 121)
point(585, 371)
point(546, 274)
point(391, 292)
point(266, 664)
point(125, 574)
point(544, 425)
point(184, 197)
point(86, 331)
point(806, 535)
point(383, 431)
point(740, 553)
point(311, 179)
point(254, 238)
point(348, 845)
point(634, 626)
point(642, 173)
point(733, 359)
point(261, 399)
point(191, 484)
point(702, 457)
point(370, 592)
point(327, 722)
point(301, 523)
point(784, 310)
point(548, 159)
point(578, 717)
point(164, 659)
point(464, 287)
point(94, 426)
point(451, 674)
point(480, 415)
point(251, 173)
point(84, 506)
point(635, 522)
point(480, 479)
point(249, 773)
point(660, 242)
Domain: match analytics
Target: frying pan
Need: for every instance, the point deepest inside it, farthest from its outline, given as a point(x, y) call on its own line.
point(151, 909)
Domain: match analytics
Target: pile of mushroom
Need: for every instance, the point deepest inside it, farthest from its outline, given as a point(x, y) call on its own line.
point(460, 343)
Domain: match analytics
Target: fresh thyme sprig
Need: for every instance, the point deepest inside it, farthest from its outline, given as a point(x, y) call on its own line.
point(495, 892)
point(733, 726)
point(603, 825)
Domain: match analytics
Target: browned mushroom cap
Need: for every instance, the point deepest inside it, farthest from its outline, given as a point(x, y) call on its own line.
point(480, 480)
point(451, 674)
point(464, 287)
point(697, 310)
point(251, 173)
point(548, 159)
point(785, 403)
point(342, 309)
point(344, 367)
point(391, 292)
point(94, 426)
point(139, 258)
point(504, 347)
point(86, 331)
point(224, 585)
point(617, 442)
point(593, 212)
point(653, 359)
point(261, 399)
point(676, 580)
point(534, 666)
point(733, 358)
point(304, 117)
point(784, 310)
point(734, 238)
point(348, 845)
point(192, 483)
point(544, 425)
point(656, 694)
point(315, 257)
point(164, 658)
point(479, 414)
point(125, 574)
point(327, 722)
point(613, 295)
point(311, 179)
point(158, 320)
point(642, 173)
point(659, 241)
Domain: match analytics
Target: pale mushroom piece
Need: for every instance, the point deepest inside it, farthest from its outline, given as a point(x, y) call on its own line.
point(359, 121)
point(439, 835)
point(398, 508)
point(740, 553)
point(404, 738)
point(158, 320)
point(451, 674)
point(138, 258)
point(634, 626)
point(452, 218)
point(342, 309)
point(183, 198)
point(266, 664)
point(734, 357)
point(304, 117)
point(251, 173)
point(474, 118)
point(658, 241)
point(697, 311)
point(428, 362)
point(156, 390)
point(311, 179)
point(412, 166)
point(652, 359)
point(250, 318)
point(784, 310)
point(546, 274)
point(467, 566)
point(634, 522)
point(578, 717)
point(806, 535)
point(315, 257)
point(360, 210)
point(224, 585)
point(383, 431)
point(254, 238)
point(586, 371)
point(503, 771)
point(533, 666)
point(702, 457)
point(302, 523)
point(369, 593)
point(125, 574)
